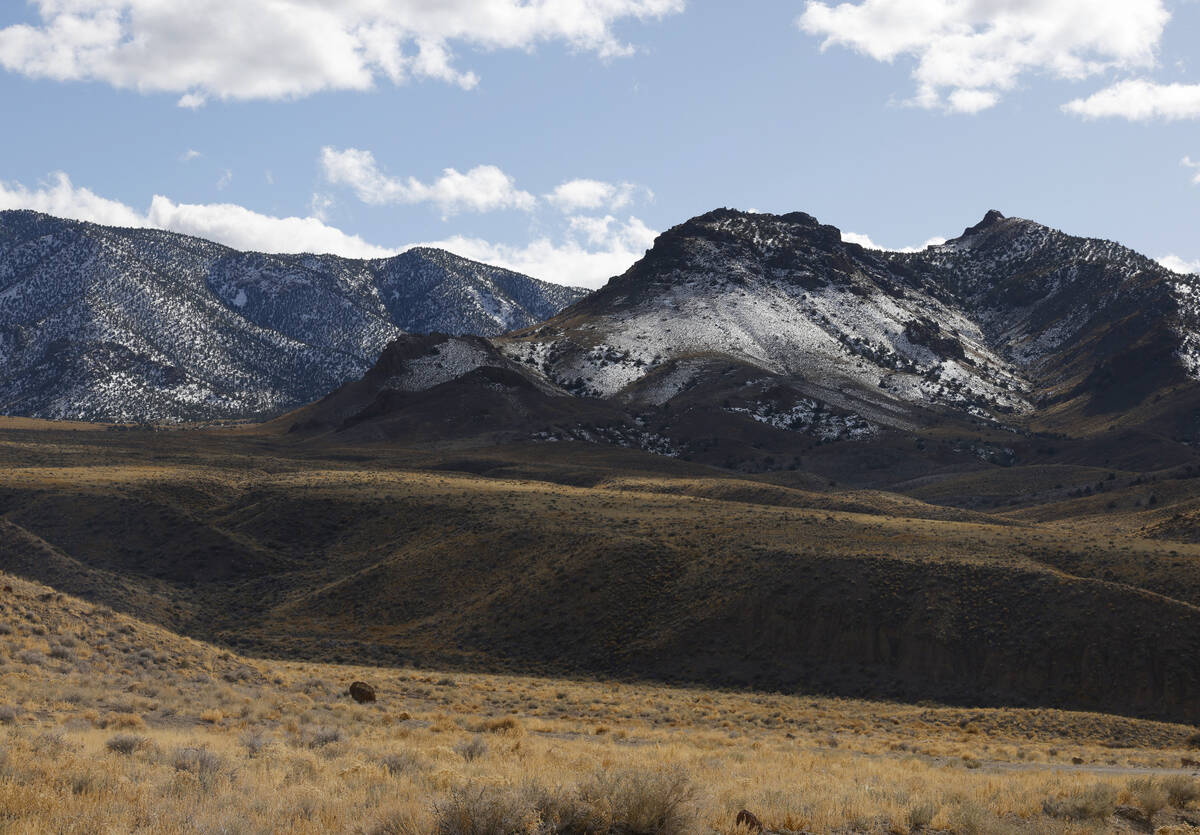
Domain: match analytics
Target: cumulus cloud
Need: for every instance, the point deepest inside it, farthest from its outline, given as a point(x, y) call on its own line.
point(206, 49)
point(484, 188)
point(576, 195)
point(588, 252)
point(1140, 101)
point(866, 242)
point(189, 155)
point(58, 196)
point(1179, 265)
point(592, 252)
point(968, 53)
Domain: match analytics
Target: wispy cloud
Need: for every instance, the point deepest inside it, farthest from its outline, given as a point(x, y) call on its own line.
point(1187, 162)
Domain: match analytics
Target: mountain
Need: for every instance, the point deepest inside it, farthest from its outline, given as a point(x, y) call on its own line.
point(756, 342)
point(99, 323)
point(993, 326)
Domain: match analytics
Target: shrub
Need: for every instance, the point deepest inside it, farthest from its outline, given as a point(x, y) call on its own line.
point(125, 721)
point(255, 742)
point(5, 629)
point(472, 749)
point(651, 802)
point(1149, 794)
point(1094, 803)
point(396, 823)
point(972, 819)
point(1181, 790)
point(87, 783)
point(324, 736)
point(200, 762)
point(8, 715)
point(50, 743)
point(509, 726)
point(32, 657)
point(1193, 741)
point(483, 810)
point(125, 743)
point(403, 762)
point(922, 815)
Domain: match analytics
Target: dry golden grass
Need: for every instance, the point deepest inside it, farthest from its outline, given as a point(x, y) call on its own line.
point(111, 725)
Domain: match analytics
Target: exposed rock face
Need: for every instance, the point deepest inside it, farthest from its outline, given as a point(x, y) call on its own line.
point(111, 324)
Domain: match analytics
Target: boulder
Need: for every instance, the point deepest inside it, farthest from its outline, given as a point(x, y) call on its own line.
point(361, 692)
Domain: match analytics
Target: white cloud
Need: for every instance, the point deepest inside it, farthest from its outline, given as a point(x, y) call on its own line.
point(60, 197)
point(272, 49)
point(969, 52)
point(866, 242)
point(225, 180)
point(574, 195)
point(484, 188)
point(224, 223)
point(1140, 100)
point(1177, 264)
point(241, 228)
point(1187, 162)
point(590, 251)
point(189, 155)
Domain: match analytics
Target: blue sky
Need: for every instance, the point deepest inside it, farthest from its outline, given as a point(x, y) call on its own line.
point(558, 136)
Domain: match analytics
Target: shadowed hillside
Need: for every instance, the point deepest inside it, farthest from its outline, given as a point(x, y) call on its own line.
point(537, 557)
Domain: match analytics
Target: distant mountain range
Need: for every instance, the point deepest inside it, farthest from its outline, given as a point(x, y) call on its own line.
point(106, 324)
point(753, 341)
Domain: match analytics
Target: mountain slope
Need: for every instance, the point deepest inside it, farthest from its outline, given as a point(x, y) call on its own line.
point(761, 342)
point(983, 327)
point(111, 324)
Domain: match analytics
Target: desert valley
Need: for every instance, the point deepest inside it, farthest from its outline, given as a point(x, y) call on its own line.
point(771, 533)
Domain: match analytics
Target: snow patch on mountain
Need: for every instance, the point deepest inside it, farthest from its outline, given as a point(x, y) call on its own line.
point(447, 361)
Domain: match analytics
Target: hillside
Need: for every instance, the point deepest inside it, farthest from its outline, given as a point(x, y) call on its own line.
point(109, 723)
point(585, 558)
point(98, 323)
